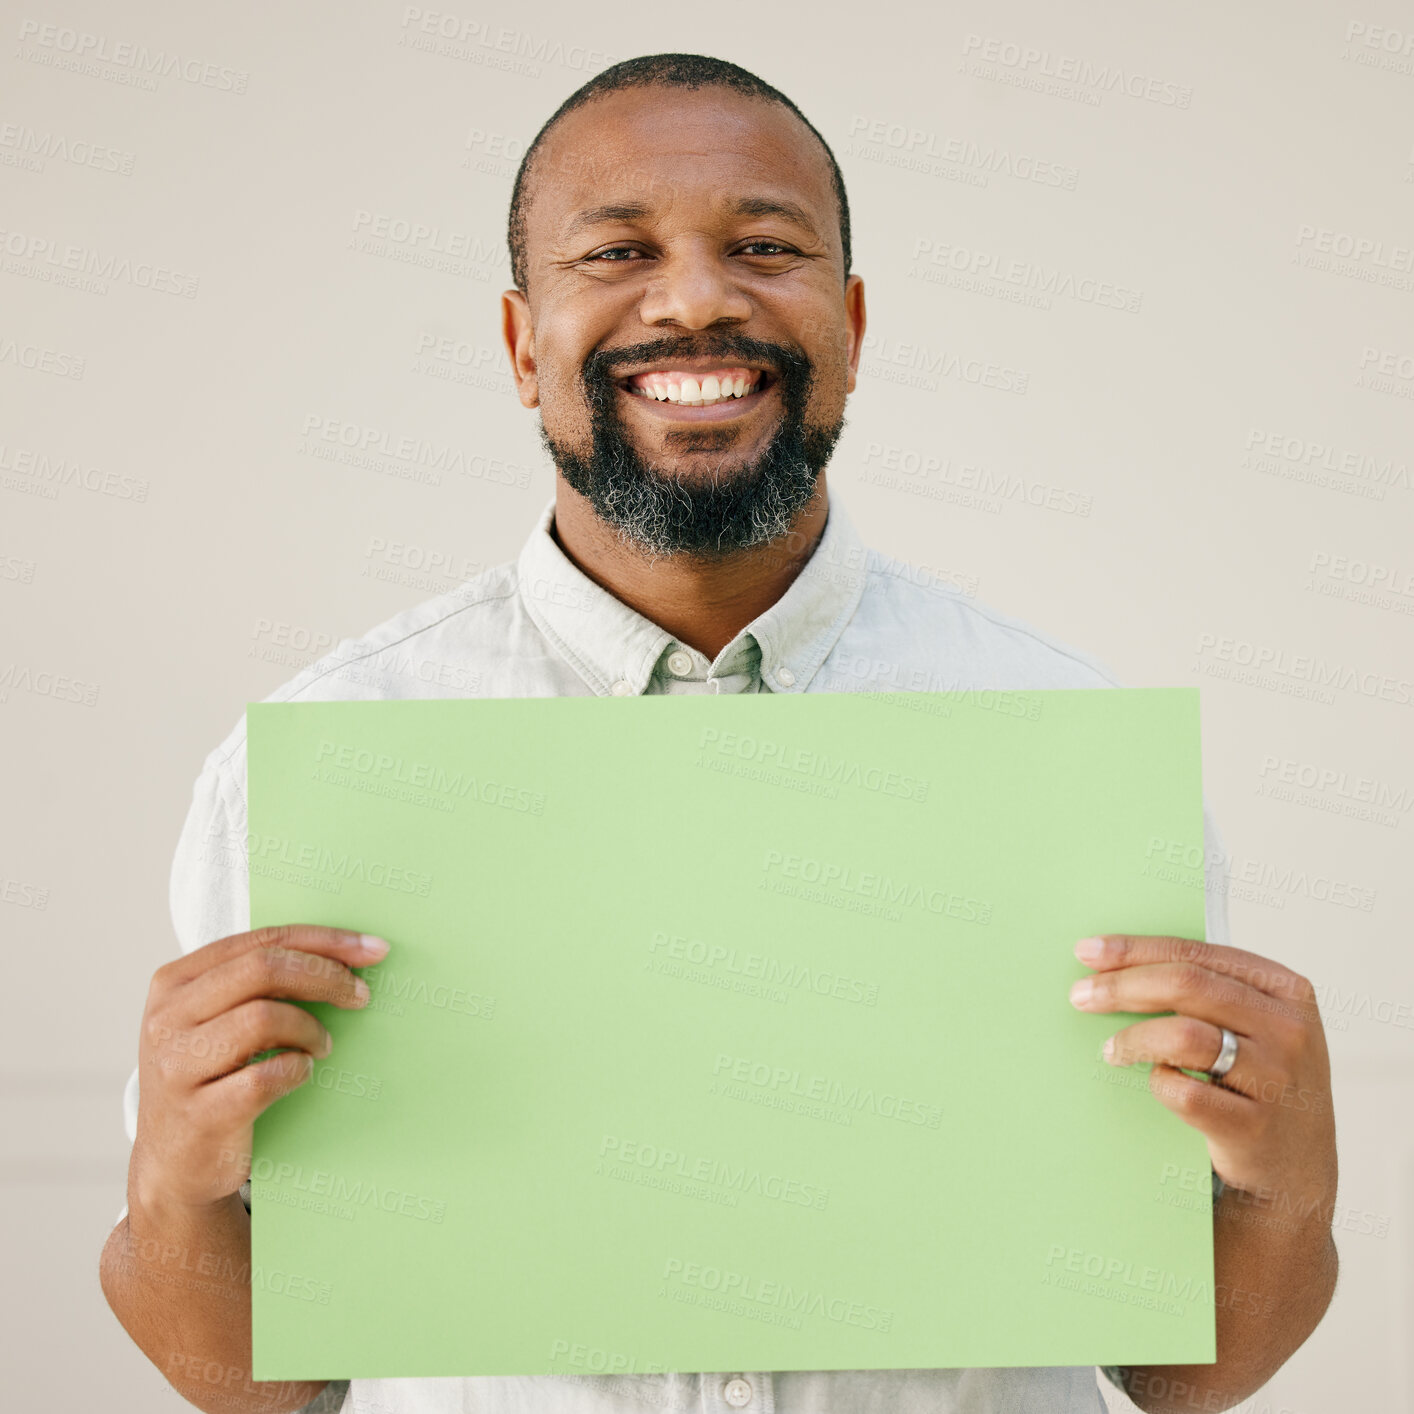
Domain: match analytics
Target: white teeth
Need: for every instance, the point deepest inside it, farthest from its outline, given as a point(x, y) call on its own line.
point(690, 393)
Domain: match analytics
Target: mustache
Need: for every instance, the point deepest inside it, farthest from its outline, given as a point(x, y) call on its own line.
point(789, 362)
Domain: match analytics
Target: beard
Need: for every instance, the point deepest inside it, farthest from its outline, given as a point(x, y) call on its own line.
point(737, 504)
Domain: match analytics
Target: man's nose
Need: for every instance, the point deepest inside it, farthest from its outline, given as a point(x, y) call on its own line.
point(694, 289)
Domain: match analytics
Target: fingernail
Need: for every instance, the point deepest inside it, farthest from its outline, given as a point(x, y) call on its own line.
point(1108, 1049)
point(326, 1046)
point(1090, 950)
point(361, 990)
point(376, 948)
point(1082, 992)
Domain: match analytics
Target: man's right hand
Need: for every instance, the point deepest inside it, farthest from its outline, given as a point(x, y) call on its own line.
point(207, 1014)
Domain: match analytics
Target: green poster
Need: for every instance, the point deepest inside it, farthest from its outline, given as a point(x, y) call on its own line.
point(727, 1033)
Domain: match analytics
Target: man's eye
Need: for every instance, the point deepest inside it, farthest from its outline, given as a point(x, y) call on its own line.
point(618, 254)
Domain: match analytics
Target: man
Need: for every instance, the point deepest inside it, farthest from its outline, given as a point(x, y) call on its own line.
point(686, 322)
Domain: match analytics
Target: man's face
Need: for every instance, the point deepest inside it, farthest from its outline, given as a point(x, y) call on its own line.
point(677, 235)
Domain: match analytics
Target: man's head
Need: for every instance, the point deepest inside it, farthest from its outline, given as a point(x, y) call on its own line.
point(679, 216)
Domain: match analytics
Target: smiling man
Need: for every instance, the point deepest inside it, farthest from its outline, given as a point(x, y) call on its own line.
point(687, 325)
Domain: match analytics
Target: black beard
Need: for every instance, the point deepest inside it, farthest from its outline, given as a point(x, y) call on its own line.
point(742, 504)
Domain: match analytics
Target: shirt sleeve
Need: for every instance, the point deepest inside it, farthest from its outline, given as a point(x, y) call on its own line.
point(208, 893)
point(1214, 882)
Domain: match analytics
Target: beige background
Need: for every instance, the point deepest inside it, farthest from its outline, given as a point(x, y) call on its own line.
point(208, 551)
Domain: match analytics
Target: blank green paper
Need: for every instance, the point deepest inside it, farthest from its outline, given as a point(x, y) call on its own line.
point(727, 1033)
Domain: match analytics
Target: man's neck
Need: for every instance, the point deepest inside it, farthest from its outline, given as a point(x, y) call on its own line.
point(703, 603)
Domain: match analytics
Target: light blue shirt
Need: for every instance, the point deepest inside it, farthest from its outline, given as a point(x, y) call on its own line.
point(853, 620)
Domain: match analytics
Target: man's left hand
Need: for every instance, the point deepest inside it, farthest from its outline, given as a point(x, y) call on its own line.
point(1268, 1121)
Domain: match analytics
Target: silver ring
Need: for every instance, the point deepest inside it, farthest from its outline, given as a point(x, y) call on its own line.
point(1226, 1056)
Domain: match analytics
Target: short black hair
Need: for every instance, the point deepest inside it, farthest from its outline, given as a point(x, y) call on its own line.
point(690, 71)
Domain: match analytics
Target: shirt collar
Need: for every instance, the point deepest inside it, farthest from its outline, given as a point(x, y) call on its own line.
point(615, 649)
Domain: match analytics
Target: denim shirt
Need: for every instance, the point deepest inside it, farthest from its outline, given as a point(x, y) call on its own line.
point(853, 620)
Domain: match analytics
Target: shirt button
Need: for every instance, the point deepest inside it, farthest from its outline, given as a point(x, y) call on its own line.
point(680, 663)
point(737, 1393)
point(622, 688)
point(785, 677)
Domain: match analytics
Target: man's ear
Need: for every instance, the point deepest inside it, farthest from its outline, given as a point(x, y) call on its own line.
point(854, 323)
point(519, 334)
